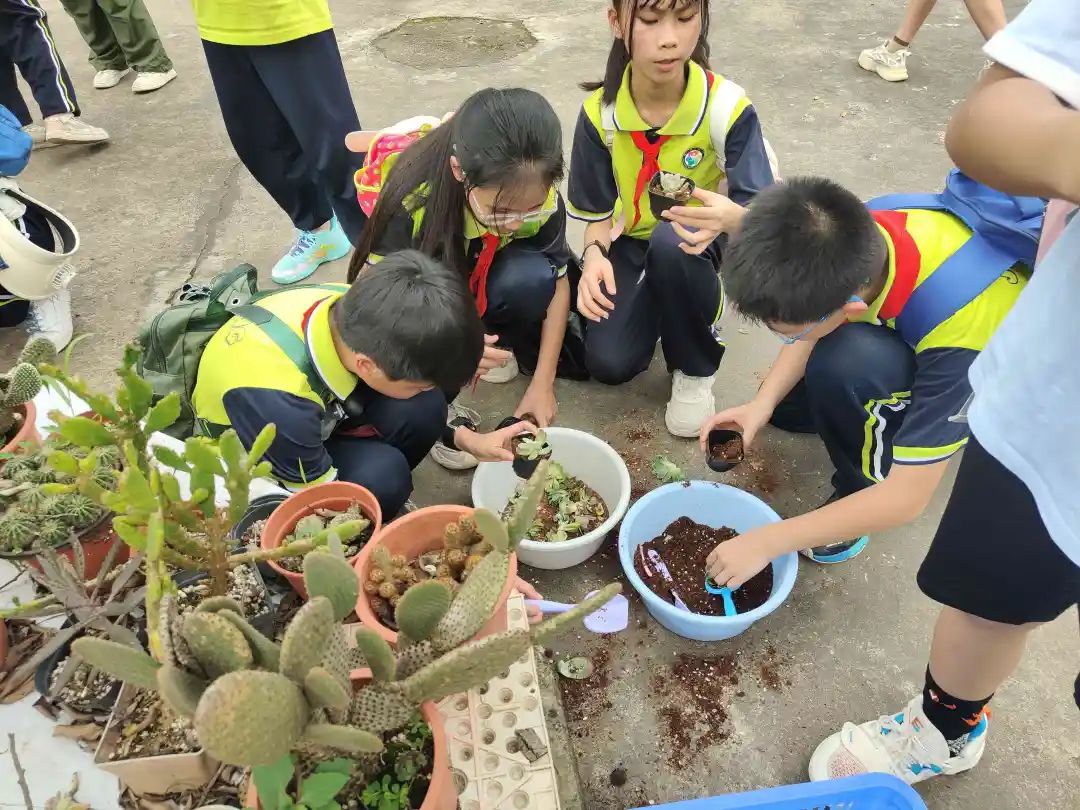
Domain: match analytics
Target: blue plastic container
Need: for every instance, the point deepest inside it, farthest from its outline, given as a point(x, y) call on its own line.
point(871, 791)
point(715, 505)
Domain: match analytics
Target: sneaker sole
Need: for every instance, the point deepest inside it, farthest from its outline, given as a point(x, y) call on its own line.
point(308, 273)
point(843, 556)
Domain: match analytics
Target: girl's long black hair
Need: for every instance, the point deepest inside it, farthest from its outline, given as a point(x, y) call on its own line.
point(501, 137)
point(619, 55)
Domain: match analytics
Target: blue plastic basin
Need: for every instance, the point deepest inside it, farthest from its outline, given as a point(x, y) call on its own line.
point(714, 505)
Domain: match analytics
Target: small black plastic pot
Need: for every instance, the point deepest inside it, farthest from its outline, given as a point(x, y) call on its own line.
point(523, 467)
point(43, 679)
point(659, 202)
point(263, 621)
point(258, 509)
point(718, 462)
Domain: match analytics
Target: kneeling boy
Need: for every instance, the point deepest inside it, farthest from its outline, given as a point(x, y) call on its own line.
point(833, 281)
point(352, 377)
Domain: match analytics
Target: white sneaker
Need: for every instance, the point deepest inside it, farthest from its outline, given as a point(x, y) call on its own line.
point(691, 404)
point(148, 82)
point(891, 66)
point(37, 135)
point(502, 374)
point(906, 745)
point(110, 77)
point(448, 457)
point(51, 318)
point(66, 128)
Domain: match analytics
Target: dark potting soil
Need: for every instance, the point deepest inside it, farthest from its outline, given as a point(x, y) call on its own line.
point(730, 450)
point(351, 549)
point(684, 547)
point(617, 777)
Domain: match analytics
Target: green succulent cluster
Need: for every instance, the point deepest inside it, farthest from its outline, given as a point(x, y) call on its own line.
point(23, 382)
point(252, 701)
point(39, 509)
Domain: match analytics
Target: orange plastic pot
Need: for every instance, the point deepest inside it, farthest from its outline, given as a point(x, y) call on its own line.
point(331, 495)
point(27, 432)
point(410, 536)
point(441, 795)
point(96, 543)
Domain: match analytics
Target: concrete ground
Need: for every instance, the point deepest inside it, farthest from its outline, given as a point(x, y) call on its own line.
point(167, 201)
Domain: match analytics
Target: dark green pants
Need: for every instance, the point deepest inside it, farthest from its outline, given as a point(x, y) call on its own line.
point(120, 34)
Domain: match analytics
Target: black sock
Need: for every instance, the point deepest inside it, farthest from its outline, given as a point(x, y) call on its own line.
point(953, 717)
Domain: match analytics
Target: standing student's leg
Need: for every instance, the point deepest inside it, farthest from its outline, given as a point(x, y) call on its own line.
point(689, 299)
point(25, 35)
point(260, 134)
point(979, 637)
point(395, 435)
point(10, 95)
point(988, 16)
point(308, 84)
point(132, 30)
point(621, 346)
point(915, 15)
point(857, 384)
point(105, 51)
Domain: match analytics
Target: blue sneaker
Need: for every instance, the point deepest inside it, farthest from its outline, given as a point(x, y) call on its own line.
point(836, 552)
point(311, 249)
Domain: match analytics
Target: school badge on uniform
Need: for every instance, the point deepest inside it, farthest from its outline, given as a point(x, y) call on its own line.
point(692, 157)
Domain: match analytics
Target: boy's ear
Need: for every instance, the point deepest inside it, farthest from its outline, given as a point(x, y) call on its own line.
point(855, 307)
point(363, 366)
point(455, 167)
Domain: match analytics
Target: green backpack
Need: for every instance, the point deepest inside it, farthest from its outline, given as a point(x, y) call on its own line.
point(174, 340)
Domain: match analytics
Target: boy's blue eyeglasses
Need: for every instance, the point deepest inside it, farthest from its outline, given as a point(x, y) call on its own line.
point(788, 340)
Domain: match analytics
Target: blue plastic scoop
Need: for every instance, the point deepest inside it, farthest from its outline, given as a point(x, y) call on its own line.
point(724, 592)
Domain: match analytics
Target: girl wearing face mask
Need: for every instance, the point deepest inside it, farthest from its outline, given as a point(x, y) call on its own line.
point(659, 107)
point(478, 192)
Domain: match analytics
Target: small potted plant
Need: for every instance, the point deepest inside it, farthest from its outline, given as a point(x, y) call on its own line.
point(667, 189)
point(254, 703)
point(529, 451)
point(17, 391)
point(725, 449)
point(314, 511)
point(428, 530)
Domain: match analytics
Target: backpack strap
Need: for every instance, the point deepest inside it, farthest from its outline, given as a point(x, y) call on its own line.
point(289, 342)
point(726, 96)
point(607, 122)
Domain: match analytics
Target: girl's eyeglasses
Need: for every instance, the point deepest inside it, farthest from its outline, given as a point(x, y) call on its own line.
point(790, 339)
point(497, 218)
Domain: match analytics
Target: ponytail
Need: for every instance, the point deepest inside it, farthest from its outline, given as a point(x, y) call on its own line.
point(621, 49)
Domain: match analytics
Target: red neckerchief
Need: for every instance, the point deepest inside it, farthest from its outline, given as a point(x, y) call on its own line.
point(478, 278)
point(650, 156)
point(906, 257)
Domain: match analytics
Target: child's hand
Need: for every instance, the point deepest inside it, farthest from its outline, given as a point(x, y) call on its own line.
point(539, 400)
point(494, 446)
point(735, 561)
point(529, 592)
point(493, 356)
point(591, 300)
point(718, 215)
point(748, 418)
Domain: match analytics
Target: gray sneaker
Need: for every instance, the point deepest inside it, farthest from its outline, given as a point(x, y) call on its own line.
point(66, 128)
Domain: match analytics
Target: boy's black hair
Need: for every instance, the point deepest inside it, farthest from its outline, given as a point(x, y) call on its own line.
point(804, 248)
point(501, 137)
point(415, 318)
point(619, 55)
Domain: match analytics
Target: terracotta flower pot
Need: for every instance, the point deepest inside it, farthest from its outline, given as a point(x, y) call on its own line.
point(96, 541)
point(331, 495)
point(3, 644)
point(27, 430)
point(411, 536)
point(441, 795)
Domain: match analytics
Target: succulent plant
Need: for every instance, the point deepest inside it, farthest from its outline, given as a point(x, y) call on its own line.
point(575, 508)
point(23, 382)
point(252, 701)
point(533, 447)
point(321, 521)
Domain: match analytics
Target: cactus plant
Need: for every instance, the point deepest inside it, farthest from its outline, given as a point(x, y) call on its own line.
point(306, 679)
point(22, 383)
point(34, 517)
point(316, 524)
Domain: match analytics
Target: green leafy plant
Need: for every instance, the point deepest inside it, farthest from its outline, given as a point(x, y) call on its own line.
point(666, 471)
point(22, 383)
point(532, 448)
point(315, 792)
point(574, 508)
point(386, 794)
point(153, 515)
